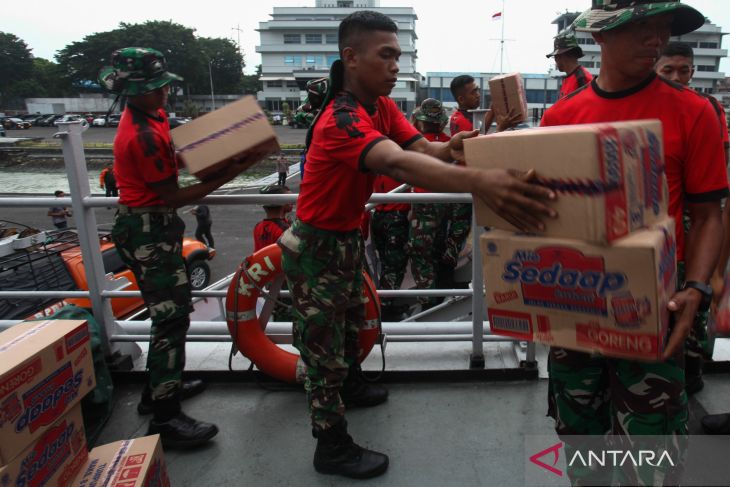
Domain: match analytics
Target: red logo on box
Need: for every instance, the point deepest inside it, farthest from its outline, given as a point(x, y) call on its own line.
point(616, 342)
point(501, 298)
point(136, 459)
point(510, 323)
point(20, 376)
point(47, 400)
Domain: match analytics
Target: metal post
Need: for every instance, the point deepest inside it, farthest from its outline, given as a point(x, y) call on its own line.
point(75, 161)
point(210, 73)
point(476, 361)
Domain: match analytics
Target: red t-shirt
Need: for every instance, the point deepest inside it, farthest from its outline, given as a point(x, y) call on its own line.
point(693, 150)
point(577, 79)
point(431, 137)
point(386, 184)
point(267, 232)
point(143, 157)
point(460, 121)
point(337, 186)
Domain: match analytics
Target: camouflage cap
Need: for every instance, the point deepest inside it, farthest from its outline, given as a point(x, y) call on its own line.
point(609, 14)
point(566, 42)
point(431, 110)
point(316, 92)
point(136, 71)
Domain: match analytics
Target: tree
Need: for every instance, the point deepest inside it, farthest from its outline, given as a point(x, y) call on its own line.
point(226, 64)
point(16, 64)
point(251, 84)
point(186, 55)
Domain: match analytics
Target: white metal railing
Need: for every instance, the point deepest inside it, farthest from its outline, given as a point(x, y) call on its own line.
point(116, 331)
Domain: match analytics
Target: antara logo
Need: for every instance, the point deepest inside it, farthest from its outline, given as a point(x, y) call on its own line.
point(563, 278)
point(593, 458)
point(47, 400)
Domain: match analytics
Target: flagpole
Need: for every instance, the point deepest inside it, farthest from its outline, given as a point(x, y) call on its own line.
point(501, 48)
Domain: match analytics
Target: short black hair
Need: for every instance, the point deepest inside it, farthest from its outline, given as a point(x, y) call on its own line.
point(363, 21)
point(679, 49)
point(458, 84)
point(58, 193)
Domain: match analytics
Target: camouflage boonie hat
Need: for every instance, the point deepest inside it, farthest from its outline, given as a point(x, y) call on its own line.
point(565, 43)
point(432, 110)
point(610, 14)
point(136, 71)
point(316, 91)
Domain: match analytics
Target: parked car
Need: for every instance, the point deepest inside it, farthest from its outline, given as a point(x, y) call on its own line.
point(113, 120)
point(58, 265)
point(99, 122)
point(16, 123)
point(47, 121)
point(177, 121)
point(70, 118)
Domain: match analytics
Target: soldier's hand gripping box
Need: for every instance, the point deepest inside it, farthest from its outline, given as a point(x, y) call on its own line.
point(45, 369)
point(209, 143)
point(508, 95)
point(130, 463)
point(54, 459)
point(567, 293)
point(609, 178)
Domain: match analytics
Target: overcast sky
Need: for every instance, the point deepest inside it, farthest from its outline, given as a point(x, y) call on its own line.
point(455, 35)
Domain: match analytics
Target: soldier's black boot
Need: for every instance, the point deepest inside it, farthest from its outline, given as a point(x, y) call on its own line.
point(356, 392)
point(338, 454)
point(716, 424)
point(176, 429)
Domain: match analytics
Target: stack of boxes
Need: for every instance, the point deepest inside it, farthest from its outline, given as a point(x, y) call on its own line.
point(46, 368)
point(599, 277)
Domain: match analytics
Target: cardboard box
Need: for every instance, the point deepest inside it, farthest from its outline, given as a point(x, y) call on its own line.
point(508, 93)
point(609, 178)
point(207, 144)
point(54, 459)
point(571, 294)
point(45, 369)
point(131, 463)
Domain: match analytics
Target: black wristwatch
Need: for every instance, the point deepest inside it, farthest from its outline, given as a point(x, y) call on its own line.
point(703, 288)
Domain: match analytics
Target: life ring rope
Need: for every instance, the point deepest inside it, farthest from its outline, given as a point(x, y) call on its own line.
point(248, 284)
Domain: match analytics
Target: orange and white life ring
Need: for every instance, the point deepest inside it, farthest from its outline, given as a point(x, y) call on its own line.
point(252, 275)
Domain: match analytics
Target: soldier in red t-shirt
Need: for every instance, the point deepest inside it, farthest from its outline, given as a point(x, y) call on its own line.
point(268, 230)
point(359, 133)
point(566, 54)
point(590, 394)
point(677, 64)
point(148, 233)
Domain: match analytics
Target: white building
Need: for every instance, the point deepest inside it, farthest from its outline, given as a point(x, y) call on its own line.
point(299, 44)
point(706, 42)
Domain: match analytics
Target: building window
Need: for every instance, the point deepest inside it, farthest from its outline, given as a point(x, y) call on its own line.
point(587, 64)
point(538, 96)
point(313, 59)
point(274, 84)
point(344, 3)
point(293, 60)
point(273, 105)
point(313, 38)
point(586, 41)
point(706, 68)
point(330, 38)
point(708, 45)
point(292, 38)
point(331, 60)
point(292, 84)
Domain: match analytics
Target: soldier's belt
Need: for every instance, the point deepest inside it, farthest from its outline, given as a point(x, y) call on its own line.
point(138, 210)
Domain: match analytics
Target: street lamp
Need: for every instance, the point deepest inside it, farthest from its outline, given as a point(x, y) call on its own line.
point(210, 73)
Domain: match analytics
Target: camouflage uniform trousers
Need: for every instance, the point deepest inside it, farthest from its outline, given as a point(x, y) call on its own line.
point(459, 216)
point(427, 245)
point(324, 273)
point(150, 244)
point(390, 235)
point(596, 395)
